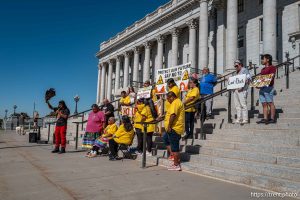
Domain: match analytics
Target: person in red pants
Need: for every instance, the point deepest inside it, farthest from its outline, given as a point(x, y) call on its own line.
point(62, 113)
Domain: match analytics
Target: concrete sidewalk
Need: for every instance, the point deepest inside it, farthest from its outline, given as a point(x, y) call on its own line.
point(31, 171)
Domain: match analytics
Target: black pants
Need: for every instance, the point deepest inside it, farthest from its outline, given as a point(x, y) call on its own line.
point(113, 147)
point(149, 142)
point(189, 123)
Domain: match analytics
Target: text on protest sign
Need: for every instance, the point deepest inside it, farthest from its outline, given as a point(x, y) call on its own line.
point(262, 80)
point(128, 110)
point(180, 74)
point(236, 82)
point(144, 92)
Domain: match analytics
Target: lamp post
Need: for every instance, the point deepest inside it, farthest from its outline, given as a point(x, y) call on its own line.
point(5, 117)
point(76, 99)
point(15, 107)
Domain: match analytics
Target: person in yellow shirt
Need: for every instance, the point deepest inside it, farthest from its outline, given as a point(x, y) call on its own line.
point(138, 117)
point(174, 125)
point(124, 135)
point(101, 142)
point(125, 99)
point(172, 88)
point(191, 97)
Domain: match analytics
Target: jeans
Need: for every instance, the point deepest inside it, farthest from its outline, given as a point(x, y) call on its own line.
point(149, 142)
point(189, 123)
point(172, 139)
point(240, 101)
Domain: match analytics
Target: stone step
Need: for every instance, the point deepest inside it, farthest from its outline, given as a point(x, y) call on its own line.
point(260, 131)
point(252, 156)
point(264, 169)
point(293, 151)
point(246, 178)
point(253, 125)
point(283, 141)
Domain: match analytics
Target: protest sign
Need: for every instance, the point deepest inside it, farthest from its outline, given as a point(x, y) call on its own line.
point(128, 110)
point(180, 74)
point(236, 82)
point(144, 92)
point(262, 80)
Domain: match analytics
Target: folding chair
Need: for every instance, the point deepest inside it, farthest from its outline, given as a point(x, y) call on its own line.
point(125, 149)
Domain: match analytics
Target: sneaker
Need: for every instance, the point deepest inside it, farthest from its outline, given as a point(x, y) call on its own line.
point(272, 121)
point(244, 122)
point(263, 121)
point(238, 121)
point(174, 168)
point(63, 150)
point(56, 150)
point(93, 155)
point(112, 158)
point(171, 158)
point(148, 153)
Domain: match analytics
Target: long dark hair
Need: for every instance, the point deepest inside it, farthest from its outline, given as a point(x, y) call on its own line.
point(63, 103)
point(127, 123)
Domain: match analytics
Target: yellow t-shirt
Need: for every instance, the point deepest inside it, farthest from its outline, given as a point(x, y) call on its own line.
point(176, 108)
point(125, 100)
point(138, 116)
point(176, 91)
point(110, 130)
point(192, 93)
point(122, 136)
point(147, 113)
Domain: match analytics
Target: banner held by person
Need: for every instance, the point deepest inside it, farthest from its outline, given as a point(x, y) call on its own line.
point(179, 73)
point(236, 82)
point(128, 111)
point(262, 80)
point(144, 92)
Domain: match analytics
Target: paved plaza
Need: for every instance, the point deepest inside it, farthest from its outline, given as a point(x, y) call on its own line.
point(30, 171)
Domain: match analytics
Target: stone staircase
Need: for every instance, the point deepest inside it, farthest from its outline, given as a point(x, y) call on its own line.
point(261, 156)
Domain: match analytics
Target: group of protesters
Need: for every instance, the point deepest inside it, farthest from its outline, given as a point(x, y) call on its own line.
point(103, 133)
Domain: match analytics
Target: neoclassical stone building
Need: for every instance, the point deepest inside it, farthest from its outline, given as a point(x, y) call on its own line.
point(209, 33)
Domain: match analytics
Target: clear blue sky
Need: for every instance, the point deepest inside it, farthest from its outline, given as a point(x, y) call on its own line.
point(52, 43)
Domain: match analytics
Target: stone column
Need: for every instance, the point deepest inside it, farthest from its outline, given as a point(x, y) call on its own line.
point(212, 42)
point(103, 74)
point(232, 33)
point(109, 79)
point(269, 24)
point(203, 34)
point(160, 51)
point(98, 99)
point(117, 77)
point(175, 35)
point(126, 69)
point(221, 39)
point(146, 72)
point(136, 65)
point(192, 43)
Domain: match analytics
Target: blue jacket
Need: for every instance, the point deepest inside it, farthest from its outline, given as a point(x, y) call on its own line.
point(207, 83)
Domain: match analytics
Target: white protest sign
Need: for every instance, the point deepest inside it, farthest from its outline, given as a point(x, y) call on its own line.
point(144, 92)
point(236, 82)
point(127, 110)
point(180, 74)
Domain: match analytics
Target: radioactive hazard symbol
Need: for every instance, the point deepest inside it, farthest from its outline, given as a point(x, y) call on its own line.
point(185, 75)
point(160, 80)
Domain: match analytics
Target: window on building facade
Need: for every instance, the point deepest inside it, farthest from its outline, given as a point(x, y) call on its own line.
point(241, 37)
point(121, 82)
point(260, 2)
point(240, 6)
point(261, 29)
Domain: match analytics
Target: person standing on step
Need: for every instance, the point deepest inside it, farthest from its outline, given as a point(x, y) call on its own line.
point(266, 93)
point(108, 110)
point(191, 97)
point(174, 125)
point(207, 83)
point(240, 95)
point(62, 113)
point(172, 87)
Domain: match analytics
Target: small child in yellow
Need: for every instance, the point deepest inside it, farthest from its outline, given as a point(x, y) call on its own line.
point(102, 141)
